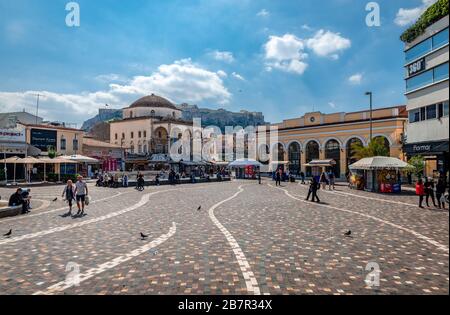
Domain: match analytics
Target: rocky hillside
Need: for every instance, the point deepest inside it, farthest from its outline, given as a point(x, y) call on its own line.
point(222, 117)
point(102, 116)
point(219, 117)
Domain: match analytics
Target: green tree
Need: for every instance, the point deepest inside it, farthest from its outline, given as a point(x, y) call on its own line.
point(417, 165)
point(376, 147)
point(51, 152)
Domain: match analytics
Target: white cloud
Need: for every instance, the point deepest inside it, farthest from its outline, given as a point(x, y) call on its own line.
point(263, 13)
point(332, 105)
point(222, 74)
point(306, 27)
point(111, 77)
point(328, 44)
point(285, 53)
point(224, 56)
point(238, 76)
point(408, 16)
point(181, 81)
point(355, 79)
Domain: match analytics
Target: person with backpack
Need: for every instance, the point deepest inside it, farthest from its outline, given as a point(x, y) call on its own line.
point(313, 188)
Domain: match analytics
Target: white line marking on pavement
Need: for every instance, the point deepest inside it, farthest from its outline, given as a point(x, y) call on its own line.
point(63, 285)
point(247, 273)
point(416, 234)
point(59, 209)
point(142, 202)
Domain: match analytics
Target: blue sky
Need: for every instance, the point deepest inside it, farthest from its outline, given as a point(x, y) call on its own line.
point(282, 57)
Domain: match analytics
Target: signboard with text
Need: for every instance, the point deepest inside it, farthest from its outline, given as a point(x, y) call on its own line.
point(42, 138)
point(12, 135)
point(416, 67)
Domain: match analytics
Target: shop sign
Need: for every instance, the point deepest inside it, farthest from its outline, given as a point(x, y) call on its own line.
point(43, 138)
point(12, 135)
point(416, 67)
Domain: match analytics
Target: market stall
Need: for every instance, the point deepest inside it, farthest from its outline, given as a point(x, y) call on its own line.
point(319, 166)
point(378, 174)
point(246, 168)
point(83, 161)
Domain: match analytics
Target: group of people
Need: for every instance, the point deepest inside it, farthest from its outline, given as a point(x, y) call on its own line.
point(111, 180)
point(21, 197)
point(79, 193)
point(428, 189)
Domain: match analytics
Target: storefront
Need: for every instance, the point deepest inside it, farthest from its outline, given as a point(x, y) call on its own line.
point(436, 155)
point(12, 143)
point(109, 155)
point(378, 174)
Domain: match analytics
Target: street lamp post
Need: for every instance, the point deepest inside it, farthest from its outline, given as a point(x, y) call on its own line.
point(371, 125)
point(5, 168)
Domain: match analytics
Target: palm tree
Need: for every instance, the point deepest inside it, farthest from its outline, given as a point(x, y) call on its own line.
point(376, 147)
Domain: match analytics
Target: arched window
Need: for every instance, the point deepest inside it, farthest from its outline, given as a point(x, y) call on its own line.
point(387, 145)
point(333, 151)
point(278, 152)
point(263, 154)
point(294, 157)
point(351, 152)
point(63, 143)
point(312, 153)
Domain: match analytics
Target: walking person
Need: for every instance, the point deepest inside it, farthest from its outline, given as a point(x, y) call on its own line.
point(440, 192)
point(323, 180)
point(81, 191)
point(140, 182)
point(69, 195)
point(302, 177)
point(429, 191)
point(313, 188)
point(125, 180)
point(331, 178)
point(278, 178)
point(420, 191)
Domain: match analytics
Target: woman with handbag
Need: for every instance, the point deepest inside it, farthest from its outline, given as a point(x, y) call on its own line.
point(69, 195)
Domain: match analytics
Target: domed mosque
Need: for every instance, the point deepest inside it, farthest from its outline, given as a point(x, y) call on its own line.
point(148, 127)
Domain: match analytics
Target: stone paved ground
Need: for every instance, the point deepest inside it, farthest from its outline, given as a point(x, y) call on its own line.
point(246, 239)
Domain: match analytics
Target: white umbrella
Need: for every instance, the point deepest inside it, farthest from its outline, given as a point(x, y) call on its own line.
point(244, 162)
point(379, 162)
point(12, 160)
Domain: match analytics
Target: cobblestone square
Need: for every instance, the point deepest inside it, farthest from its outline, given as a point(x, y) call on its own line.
point(246, 239)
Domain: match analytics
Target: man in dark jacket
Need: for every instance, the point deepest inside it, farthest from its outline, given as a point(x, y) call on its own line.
point(16, 199)
point(313, 187)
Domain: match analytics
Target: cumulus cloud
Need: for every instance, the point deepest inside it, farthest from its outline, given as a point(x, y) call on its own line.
point(181, 81)
point(111, 77)
point(408, 16)
point(238, 76)
point(285, 53)
point(263, 13)
point(328, 44)
point(355, 79)
point(224, 56)
point(222, 74)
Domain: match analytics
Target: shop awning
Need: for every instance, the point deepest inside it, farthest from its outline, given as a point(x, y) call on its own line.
point(80, 159)
point(378, 163)
point(244, 163)
point(321, 163)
